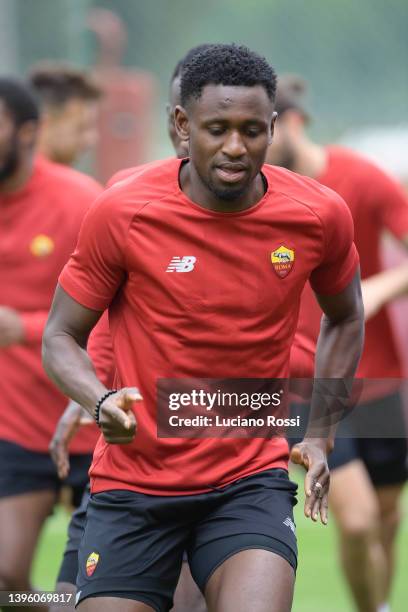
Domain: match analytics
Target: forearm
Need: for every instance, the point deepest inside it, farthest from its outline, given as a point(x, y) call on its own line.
point(339, 349)
point(388, 284)
point(67, 363)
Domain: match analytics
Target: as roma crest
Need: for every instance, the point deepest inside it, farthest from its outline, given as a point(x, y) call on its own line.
point(282, 260)
point(91, 563)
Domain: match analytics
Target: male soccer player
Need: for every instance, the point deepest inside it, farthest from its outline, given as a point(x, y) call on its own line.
point(367, 475)
point(41, 208)
point(69, 99)
point(230, 313)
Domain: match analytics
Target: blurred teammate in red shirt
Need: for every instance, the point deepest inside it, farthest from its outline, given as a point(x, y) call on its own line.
point(69, 99)
point(367, 474)
point(41, 208)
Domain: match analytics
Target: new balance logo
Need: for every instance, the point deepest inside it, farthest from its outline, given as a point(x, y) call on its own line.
point(182, 264)
point(289, 523)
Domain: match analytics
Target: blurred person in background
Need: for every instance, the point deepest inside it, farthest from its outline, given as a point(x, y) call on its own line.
point(41, 208)
point(69, 99)
point(367, 475)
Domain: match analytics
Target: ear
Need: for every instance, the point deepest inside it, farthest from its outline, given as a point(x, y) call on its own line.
point(28, 133)
point(273, 121)
point(181, 123)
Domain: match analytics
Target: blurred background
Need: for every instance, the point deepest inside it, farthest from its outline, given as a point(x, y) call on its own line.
point(354, 56)
point(352, 53)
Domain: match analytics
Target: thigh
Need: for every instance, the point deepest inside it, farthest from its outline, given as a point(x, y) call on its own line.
point(253, 513)
point(188, 597)
point(256, 580)
point(352, 497)
point(21, 519)
point(131, 549)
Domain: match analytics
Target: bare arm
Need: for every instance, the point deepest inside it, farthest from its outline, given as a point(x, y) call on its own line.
point(67, 363)
point(338, 352)
point(64, 350)
point(384, 287)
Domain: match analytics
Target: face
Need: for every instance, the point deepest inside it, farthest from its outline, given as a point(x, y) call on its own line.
point(282, 151)
point(71, 131)
point(180, 146)
point(229, 129)
point(9, 144)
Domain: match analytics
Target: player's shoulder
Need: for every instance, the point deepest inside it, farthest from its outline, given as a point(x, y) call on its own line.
point(357, 166)
point(132, 172)
point(144, 184)
point(136, 188)
point(303, 194)
point(60, 177)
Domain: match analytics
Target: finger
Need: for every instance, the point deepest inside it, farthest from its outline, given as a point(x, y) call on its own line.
point(116, 416)
point(317, 472)
point(298, 456)
point(63, 466)
point(324, 509)
point(126, 400)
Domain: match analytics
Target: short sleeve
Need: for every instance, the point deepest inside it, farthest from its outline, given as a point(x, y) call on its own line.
point(340, 259)
point(391, 203)
point(96, 269)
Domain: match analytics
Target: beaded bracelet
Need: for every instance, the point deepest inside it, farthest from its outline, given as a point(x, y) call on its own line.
point(99, 404)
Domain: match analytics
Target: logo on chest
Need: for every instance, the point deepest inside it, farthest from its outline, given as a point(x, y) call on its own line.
point(282, 260)
point(41, 246)
point(182, 264)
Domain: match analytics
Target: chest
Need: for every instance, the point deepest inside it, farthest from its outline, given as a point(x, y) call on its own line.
point(241, 268)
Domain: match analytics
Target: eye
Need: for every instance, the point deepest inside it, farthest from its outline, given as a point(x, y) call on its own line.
point(253, 132)
point(215, 130)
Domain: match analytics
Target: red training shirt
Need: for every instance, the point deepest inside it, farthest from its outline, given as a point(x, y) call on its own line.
point(39, 226)
point(233, 314)
point(377, 202)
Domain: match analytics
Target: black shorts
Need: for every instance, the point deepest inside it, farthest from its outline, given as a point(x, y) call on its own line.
point(386, 459)
point(69, 566)
point(133, 543)
point(25, 471)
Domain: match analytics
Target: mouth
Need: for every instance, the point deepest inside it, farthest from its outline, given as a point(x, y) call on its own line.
point(231, 173)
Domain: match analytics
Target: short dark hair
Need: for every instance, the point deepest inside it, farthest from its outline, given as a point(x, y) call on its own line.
point(193, 51)
point(226, 65)
point(291, 94)
point(56, 83)
point(19, 100)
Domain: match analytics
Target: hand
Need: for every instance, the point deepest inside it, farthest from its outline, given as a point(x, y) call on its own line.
point(312, 456)
point(116, 417)
point(73, 417)
point(11, 327)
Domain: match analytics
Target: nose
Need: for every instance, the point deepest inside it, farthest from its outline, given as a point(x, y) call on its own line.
point(234, 145)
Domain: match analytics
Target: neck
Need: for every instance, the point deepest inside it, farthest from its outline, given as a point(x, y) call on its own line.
point(192, 185)
point(310, 159)
point(19, 178)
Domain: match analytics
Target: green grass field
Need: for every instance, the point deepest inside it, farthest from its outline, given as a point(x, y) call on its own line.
point(319, 585)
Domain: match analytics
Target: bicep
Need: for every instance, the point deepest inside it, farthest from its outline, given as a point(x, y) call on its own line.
point(347, 303)
point(69, 317)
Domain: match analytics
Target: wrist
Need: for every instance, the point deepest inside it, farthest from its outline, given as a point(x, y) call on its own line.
point(98, 405)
